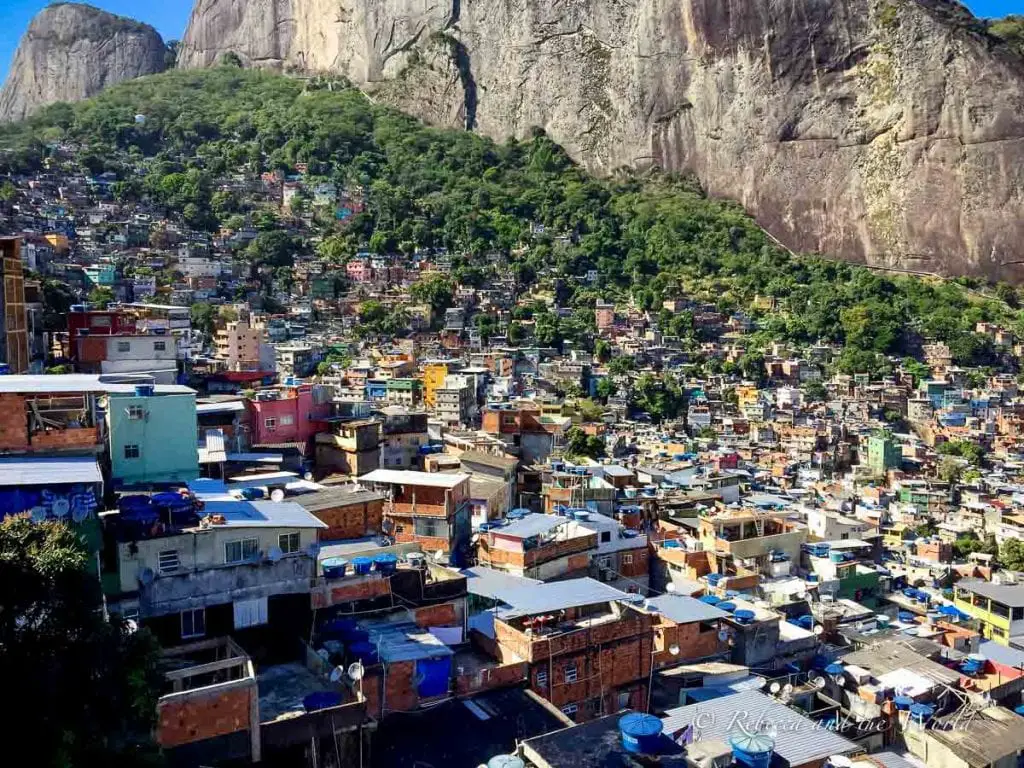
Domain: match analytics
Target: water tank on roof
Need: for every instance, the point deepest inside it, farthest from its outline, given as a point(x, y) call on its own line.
point(753, 750)
point(505, 761)
point(334, 567)
point(640, 733)
point(144, 390)
point(727, 606)
point(361, 565)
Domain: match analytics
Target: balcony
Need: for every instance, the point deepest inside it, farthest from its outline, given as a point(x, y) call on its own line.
point(226, 583)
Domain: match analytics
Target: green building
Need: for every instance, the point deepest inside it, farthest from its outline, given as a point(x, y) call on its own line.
point(153, 436)
point(884, 453)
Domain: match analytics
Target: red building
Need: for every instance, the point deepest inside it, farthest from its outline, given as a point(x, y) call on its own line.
point(96, 323)
point(287, 414)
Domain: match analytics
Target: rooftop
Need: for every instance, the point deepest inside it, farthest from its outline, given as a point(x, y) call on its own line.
point(988, 738)
point(35, 471)
point(1011, 595)
point(410, 477)
point(487, 582)
point(557, 595)
point(489, 460)
point(531, 525)
point(799, 740)
point(83, 383)
point(683, 609)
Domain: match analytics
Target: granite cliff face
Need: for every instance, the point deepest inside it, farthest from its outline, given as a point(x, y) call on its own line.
point(71, 52)
point(884, 131)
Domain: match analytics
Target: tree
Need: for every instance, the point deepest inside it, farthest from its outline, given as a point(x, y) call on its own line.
point(101, 296)
point(949, 470)
point(274, 248)
point(436, 290)
point(605, 388)
point(87, 688)
point(602, 351)
point(1011, 555)
point(231, 59)
point(579, 445)
point(815, 392)
point(620, 366)
point(203, 317)
point(515, 333)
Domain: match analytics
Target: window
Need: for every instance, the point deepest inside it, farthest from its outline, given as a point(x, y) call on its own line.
point(136, 412)
point(124, 346)
point(287, 421)
point(288, 542)
point(168, 561)
point(542, 678)
point(250, 613)
point(999, 609)
point(270, 424)
point(606, 535)
point(571, 673)
point(426, 526)
point(159, 346)
point(193, 623)
point(627, 559)
point(1018, 614)
point(570, 710)
point(132, 451)
point(240, 551)
point(845, 536)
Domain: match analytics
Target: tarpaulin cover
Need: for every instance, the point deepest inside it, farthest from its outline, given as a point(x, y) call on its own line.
point(432, 676)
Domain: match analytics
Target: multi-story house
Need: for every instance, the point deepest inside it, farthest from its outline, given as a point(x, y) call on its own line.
point(402, 436)
point(998, 607)
point(751, 536)
point(589, 650)
point(428, 509)
point(152, 433)
point(454, 401)
point(288, 414)
point(154, 355)
point(350, 448)
point(538, 547)
point(238, 345)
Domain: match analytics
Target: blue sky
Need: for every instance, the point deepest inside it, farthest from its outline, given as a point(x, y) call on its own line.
point(170, 17)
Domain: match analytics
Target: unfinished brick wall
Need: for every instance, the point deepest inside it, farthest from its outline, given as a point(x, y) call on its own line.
point(57, 439)
point(350, 521)
point(436, 616)
point(199, 715)
point(492, 677)
point(13, 423)
point(348, 590)
point(634, 562)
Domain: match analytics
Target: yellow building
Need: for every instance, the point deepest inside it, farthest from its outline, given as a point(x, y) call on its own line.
point(747, 396)
point(999, 608)
point(59, 242)
point(433, 379)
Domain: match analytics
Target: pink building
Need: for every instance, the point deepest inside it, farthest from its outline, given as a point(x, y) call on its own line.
point(286, 414)
point(358, 271)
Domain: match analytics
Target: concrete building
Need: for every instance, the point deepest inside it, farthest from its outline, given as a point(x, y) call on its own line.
point(998, 607)
point(13, 320)
point(540, 547)
point(350, 448)
point(154, 355)
point(288, 414)
point(152, 432)
point(238, 345)
point(402, 436)
point(883, 454)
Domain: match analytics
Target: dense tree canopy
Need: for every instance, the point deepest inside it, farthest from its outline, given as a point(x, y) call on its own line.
point(647, 238)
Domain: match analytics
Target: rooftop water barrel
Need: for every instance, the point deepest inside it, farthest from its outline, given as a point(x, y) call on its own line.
point(671, 544)
point(364, 651)
point(903, 703)
point(753, 750)
point(361, 565)
point(640, 733)
point(5, 369)
point(714, 578)
point(805, 621)
point(518, 513)
point(505, 761)
point(743, 616)
point(144, 390)
point(836, 557)
point(834, 669)
point(334, 567)
point(484, 527)
point(812, 578)
point(1019, 710)
point(321, 700)
point(905, 616)
point(386, 564)
point(710, 599)
point(727, 606)
point(630, 533)
point(910, 592)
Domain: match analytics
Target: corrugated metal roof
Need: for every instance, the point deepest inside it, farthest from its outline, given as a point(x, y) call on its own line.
point(799, 739)
point(556, 595)
point(231, 406)
point(32, 471)
point(404, 642)
point(1008, 594)
point(683, 609)
point(79, 383)
point(409, 477)
point(1001, 654)
point(531, 525)
point(487, 582)
point(336, 497)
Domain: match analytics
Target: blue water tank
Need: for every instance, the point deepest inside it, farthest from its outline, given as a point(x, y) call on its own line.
point(1019, 709)
point(321, 700)
point(640, 733)
point(921, 713)
point(905, 616)
point(714, 578)
point(903, 703)
point(334, 567)
point(630, 533)
point(727, 606)
point(386, 564)
point(710, 599)
point(505, 761)
point(144, 390)
point(744, 616)
point(5, 369)
point(361, 565)
point(753, 750)
point(518, 514)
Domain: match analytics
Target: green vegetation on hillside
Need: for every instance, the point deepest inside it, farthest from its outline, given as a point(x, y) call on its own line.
point(648, 238)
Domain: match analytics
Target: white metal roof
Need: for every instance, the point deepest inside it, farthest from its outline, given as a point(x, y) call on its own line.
point(80, 383)
point(56, 471)
point(409, 477)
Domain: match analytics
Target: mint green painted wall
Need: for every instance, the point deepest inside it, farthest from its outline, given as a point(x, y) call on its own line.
point(166, 439)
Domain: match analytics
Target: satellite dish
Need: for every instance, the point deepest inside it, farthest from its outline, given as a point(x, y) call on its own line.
point(277, 494)
point(307, 476)
point(61, 507)
point(356, 670)
point(774, 688)
point(670, 587)
point(787, 689)
point(274, 554)
point(439, 555)
point(131, 625)
point(818, 682)
point(336, 674)
point(723, 635)
point(818, 629)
